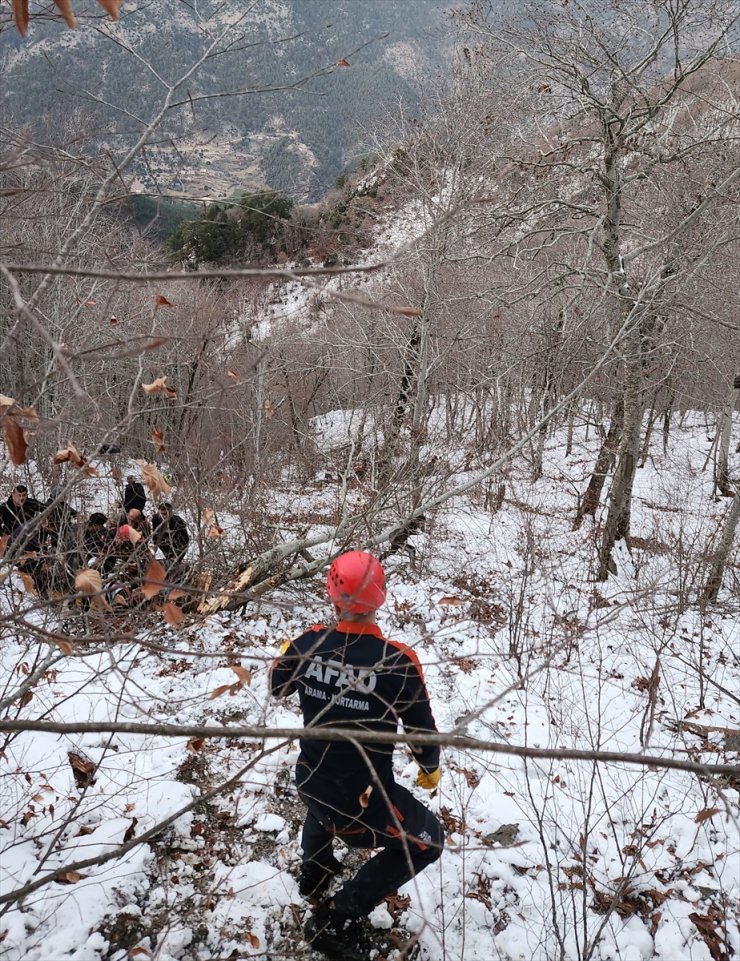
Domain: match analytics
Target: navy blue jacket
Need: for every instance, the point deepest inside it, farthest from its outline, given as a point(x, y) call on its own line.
point(352, 676)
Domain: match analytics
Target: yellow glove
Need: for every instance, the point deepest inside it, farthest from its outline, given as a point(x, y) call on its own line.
point(428, 780)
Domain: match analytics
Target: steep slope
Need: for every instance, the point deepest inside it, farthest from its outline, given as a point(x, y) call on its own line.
point(270, 106)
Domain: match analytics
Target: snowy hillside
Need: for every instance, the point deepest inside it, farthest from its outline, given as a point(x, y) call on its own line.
point(546, 858)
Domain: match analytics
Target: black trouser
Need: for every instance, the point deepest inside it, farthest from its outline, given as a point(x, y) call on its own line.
point(411, 837)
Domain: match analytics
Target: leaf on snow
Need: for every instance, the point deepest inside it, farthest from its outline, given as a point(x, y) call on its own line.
point(173, 614)
point(195, 744)
point(70, 877)
point(242, 673)
point(138, 952)
point(161, 301)
point(343, 63)
point(451, 600)
point(706, 814)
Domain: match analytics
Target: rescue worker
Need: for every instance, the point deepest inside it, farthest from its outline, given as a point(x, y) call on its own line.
point(352, 676)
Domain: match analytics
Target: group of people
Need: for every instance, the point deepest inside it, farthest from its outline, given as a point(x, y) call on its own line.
point(49, 542)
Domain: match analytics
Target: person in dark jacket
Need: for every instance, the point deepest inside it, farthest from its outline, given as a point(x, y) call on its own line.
point(18, 509)
point(170, 533)
point(97, 541)
point(352, 676)
point(134, 495)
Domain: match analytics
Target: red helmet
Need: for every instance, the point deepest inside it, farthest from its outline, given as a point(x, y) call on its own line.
point(356, 583)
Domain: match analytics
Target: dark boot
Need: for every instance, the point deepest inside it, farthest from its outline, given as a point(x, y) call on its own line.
point(315, 878)
point(338, 936)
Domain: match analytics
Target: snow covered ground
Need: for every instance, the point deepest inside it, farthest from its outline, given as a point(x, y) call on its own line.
point(546, 859)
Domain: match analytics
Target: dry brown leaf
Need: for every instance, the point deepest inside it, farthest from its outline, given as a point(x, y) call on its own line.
point(64, 646)
point(151, 344)
point(343, 62)
point(65, 8)
point(20, 13)
point(88, 581)
point(706, 814)
point(111, 7)
point(100, 602)
point(3, 544)
point(215, 531)
point(173, 614)
point(6, 403)
point(195, 744)
point(156, 386)
point(365, 797)
point(232, 375)
point(407, 311)
point(269, 409)
point(152, 477)
point(69, 453)
point(116, 473)
point(70, 877)
point(242, 673)
point(113, 321)
point(132, 534)
point(28, 412)
point(26, 699)
point(154, 578)
point(451, 600)
point(207, 515)
point(158, 440)
point(15, 440)
point(176, 594)
point(161, 301)
point(252, 938)
point(27, 582)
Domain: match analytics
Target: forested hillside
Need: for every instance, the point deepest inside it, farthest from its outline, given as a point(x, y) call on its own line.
point(500, 352)
point(271, 109)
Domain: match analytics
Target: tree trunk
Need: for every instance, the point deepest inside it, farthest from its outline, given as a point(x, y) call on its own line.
point(604, 464)
point(724, 430)
point(714, 580)
point(620, 496)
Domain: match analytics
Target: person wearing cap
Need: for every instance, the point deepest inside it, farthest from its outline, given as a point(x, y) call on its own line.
point(18, 509)
point(349, 675)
